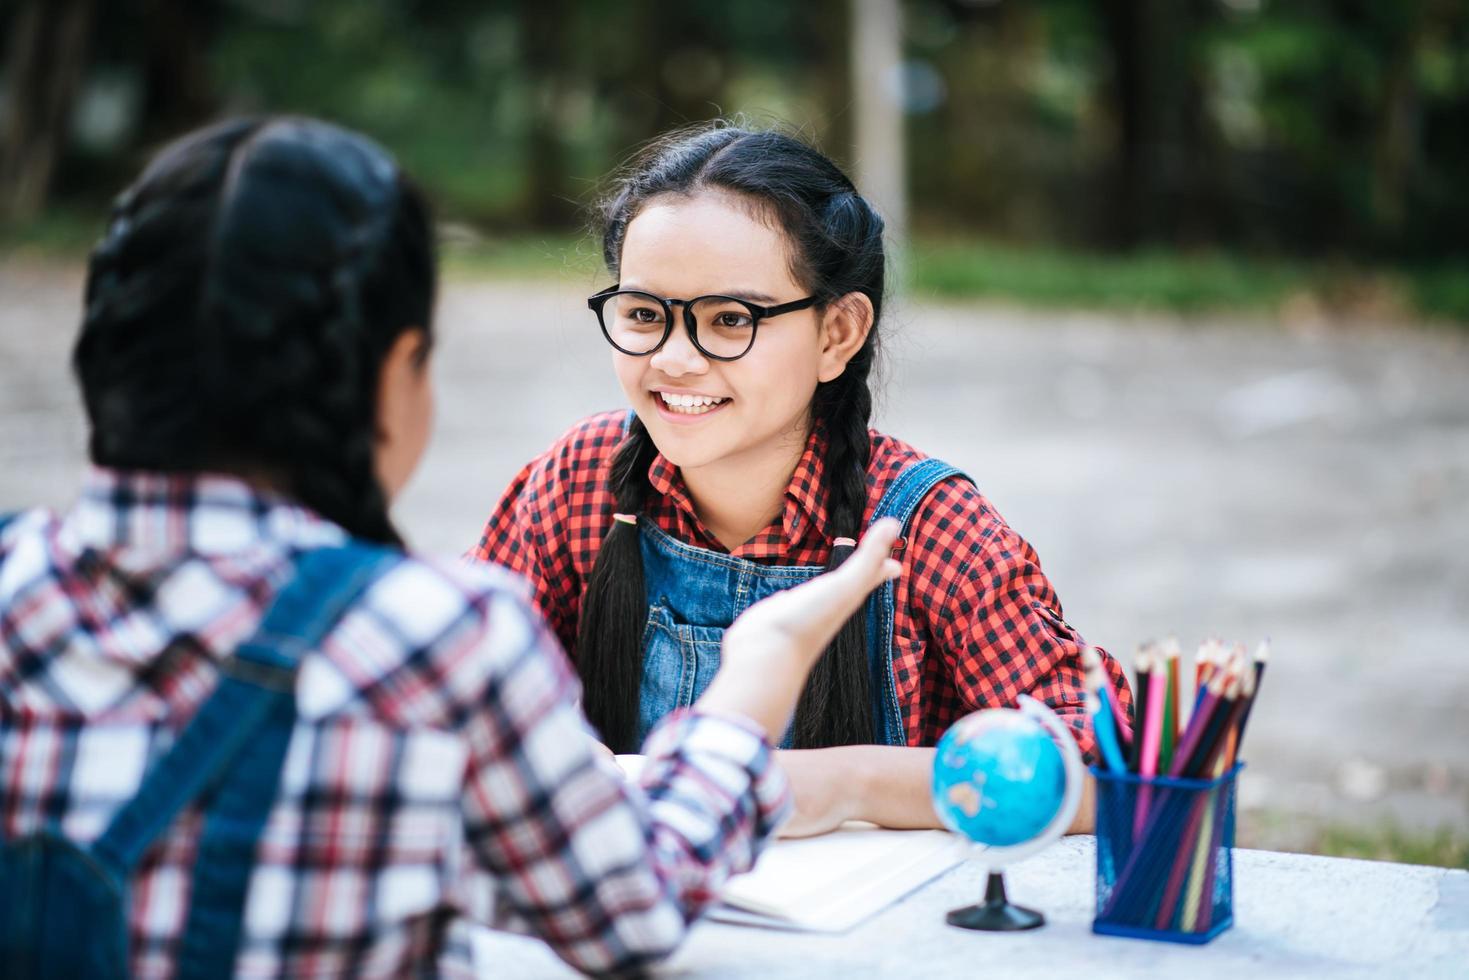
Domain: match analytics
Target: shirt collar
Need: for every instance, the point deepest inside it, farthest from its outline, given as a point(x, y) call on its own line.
point(805, 497)
point(153, 513)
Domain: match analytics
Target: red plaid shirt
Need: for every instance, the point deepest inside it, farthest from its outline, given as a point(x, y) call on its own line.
point(976, 624)
point(439, 768)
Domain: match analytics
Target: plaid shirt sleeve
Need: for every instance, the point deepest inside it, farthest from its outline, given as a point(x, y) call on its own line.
point(608, 873)
point(979, 588)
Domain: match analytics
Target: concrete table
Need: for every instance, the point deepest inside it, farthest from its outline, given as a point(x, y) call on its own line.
point(1294, 915)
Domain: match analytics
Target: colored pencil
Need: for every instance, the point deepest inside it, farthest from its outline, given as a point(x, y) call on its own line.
point(1141, 668)
point(1203, 663)
point(1119, 717)
point(1188, 824)
point(1152, 737)
point(1199, 905)
point(1208, 755)
point(1248, 682)
point(1203, 716)
point(1212, 740)
point(1201, 872)
point(1170, 705)
point(1202, 826)
point(1262, 660)
point(1100, 711)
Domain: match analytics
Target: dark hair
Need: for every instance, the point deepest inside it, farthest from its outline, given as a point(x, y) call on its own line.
point(836, 249)
point(239, 308)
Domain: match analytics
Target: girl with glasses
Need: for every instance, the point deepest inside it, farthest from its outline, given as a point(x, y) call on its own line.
point(744, 323)
point(242, 731)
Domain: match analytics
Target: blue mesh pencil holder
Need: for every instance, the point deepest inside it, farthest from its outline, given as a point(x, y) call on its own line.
point(1165, 866)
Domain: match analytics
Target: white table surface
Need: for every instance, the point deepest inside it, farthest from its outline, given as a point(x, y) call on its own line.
point(1295, 915)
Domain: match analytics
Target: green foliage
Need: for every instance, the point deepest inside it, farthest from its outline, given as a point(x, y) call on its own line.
point(1315, 127)
point(1322, 136)
point(443, 99)
point(511, 113)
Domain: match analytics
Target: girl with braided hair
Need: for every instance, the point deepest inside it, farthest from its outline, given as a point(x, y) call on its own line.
point(744, 326)
point(241, 730)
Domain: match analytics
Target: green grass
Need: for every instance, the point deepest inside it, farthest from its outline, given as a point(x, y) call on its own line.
point(1275, 829)
point(1188, 283)
point(1151, 281)
point(1144, 280)
point(1447, 847)
point(1442, 291)
point(59, 233)
point(523, 257)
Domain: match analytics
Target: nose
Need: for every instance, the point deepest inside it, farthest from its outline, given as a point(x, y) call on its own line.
point(678, 355)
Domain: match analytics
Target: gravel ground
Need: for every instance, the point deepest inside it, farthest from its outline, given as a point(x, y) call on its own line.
point(1206, 478)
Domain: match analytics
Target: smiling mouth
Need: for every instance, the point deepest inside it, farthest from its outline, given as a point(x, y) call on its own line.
point(688, 404)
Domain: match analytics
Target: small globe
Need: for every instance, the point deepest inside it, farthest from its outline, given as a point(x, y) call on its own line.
point(1003, 779)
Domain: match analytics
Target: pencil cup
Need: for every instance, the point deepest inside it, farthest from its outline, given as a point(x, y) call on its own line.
point(1164, 856)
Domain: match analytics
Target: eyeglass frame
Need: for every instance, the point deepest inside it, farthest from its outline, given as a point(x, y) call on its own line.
point(597, 301)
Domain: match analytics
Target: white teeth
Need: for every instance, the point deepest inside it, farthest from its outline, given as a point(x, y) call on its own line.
point(690, 404)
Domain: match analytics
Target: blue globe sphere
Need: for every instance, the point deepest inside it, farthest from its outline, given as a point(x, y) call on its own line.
point(999, 778)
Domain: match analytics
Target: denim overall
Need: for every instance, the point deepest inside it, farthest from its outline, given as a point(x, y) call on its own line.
point(63, 906)
point(694, 594)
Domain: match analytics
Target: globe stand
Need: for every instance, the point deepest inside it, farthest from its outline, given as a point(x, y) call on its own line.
point(996, 914)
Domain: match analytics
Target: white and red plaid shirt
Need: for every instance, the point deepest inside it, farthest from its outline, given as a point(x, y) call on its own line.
point(440, 770)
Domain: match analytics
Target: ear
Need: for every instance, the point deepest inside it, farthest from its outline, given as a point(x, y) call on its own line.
point(404, 409)
point(844, 329)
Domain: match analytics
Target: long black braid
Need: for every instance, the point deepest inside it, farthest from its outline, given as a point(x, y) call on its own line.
point(837, 249)
point(240, 305)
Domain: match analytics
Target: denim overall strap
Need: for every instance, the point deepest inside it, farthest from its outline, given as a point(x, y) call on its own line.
point(900, 500)
point(238, 737)
point(327, 582)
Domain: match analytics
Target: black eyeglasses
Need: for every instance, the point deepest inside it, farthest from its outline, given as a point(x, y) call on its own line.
point(722, 328)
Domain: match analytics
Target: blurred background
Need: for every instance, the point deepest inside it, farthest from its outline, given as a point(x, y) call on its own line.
point(1184, 285)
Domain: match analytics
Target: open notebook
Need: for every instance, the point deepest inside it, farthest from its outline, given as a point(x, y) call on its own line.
point(832, 882)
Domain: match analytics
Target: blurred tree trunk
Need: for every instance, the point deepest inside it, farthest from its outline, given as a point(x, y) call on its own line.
point(1161, 169)
point(542, 31)
point(1196, 168)
point(827, 27)
point(692, 67)
point(1396, 143)
point(881, 145)
point(1126, 28)
point(177, 94)
point(47, 56)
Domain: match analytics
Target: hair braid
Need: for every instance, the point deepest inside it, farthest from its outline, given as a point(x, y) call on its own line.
point(609, 654)
point(835, 707)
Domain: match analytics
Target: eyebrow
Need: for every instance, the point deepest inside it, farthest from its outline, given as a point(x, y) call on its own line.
point(753, 296)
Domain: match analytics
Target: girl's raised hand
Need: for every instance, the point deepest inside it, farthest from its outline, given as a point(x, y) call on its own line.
point(770, 649)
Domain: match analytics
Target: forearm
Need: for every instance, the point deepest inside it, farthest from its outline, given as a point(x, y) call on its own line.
point(766, 697)
point(890, 786)
point(885, 785)
point(708, 798)
point(893, 785)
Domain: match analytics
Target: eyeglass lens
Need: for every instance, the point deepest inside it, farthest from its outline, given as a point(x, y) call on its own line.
point(635, 323)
